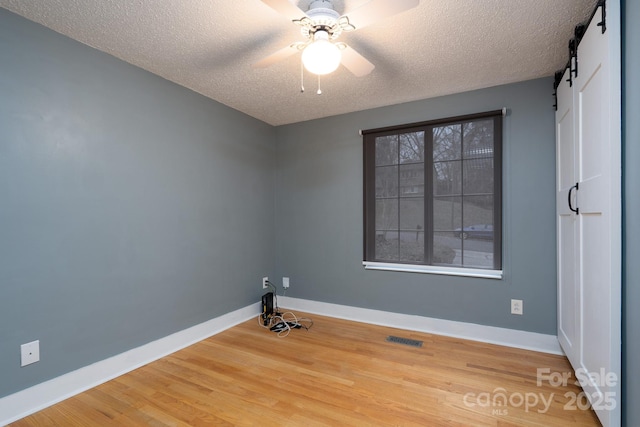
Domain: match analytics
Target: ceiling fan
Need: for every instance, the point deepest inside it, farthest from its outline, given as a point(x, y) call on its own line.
point(321, 25)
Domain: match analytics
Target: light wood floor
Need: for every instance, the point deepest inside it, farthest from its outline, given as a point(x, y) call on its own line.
point(338, 373)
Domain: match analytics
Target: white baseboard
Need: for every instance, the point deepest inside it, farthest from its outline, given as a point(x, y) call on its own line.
point(470, 331)
point(40, 396)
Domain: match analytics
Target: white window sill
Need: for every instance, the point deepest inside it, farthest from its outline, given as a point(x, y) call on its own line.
point(433, 269)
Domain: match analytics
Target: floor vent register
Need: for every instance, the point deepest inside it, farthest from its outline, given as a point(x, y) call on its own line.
point(404, 341)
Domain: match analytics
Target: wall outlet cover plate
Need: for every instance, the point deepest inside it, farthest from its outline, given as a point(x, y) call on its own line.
point(517, 306)
point(29, 353)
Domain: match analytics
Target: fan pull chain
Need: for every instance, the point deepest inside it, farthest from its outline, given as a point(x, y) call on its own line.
point(319, 92)
point(301, 77)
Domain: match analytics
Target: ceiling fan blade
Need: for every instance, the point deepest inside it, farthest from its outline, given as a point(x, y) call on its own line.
point(377, 10)
point(356, 63)
point(279, 55)
point(286, 8)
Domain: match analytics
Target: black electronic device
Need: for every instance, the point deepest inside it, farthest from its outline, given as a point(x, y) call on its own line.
point(281, 326)
point(267, 307)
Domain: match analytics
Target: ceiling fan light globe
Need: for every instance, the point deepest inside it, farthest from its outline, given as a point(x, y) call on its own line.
point(321, 57)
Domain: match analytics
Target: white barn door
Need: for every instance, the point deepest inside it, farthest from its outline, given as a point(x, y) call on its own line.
point(567, 223)
point(599, 224)
point(589, 240)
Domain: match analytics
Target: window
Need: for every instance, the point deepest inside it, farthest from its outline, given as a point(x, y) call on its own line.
point(433, 195)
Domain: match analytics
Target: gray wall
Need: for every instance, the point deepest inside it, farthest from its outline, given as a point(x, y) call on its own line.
point(631, 248)
point(319, 214)
point(130, 207)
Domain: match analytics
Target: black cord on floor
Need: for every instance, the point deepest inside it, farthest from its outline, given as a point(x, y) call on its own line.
point(283, 323)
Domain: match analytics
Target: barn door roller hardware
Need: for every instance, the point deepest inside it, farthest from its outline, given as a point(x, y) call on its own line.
point(603, 12)
point(573, 60)
point(579, 31)
point(556, 82)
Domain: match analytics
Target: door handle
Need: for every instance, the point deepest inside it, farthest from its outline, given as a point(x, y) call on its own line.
point(576, 210)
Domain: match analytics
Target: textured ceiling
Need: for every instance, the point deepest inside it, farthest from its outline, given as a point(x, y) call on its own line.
point(440, 47)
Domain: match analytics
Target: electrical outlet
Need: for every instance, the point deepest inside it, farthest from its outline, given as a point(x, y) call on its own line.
point(285, 282)
point(29, 353)
point(517, 306)
point(265, 280)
